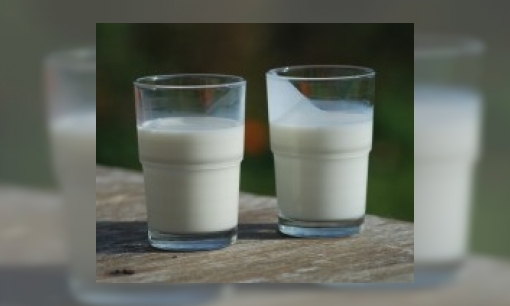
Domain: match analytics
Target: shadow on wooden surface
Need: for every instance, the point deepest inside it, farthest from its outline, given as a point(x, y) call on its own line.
point(119, 237)
point(259, 231)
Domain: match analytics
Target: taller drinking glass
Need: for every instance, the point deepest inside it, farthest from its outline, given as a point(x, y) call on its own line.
point(191, 137)
point(321, 135)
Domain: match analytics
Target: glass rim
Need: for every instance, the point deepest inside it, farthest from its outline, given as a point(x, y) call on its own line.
point(362, 72)
point(81, 58)
point(143, 82)
point(430, 45)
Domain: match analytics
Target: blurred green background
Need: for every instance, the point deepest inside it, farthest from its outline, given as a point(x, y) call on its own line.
point(128, 51)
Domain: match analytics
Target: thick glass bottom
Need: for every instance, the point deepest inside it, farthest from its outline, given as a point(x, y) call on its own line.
point(192, 242)
point(320, 229)
point(152, 295)
point(436, 274)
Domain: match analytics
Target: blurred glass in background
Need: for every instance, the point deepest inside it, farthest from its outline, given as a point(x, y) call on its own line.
point(71, 86)
point(447, 131)
point(70, 78)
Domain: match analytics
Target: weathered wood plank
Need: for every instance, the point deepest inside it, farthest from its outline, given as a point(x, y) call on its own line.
point(481, 281)
point(385, 249)
point(31, 227)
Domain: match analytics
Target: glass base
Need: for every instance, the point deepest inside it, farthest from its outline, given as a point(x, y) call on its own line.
point(192, 242)
point(320, 229)
point(152, 295)
point(426, 275)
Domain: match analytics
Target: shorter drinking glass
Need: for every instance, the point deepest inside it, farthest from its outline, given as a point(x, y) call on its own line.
point(321, 134)
point(190, 141)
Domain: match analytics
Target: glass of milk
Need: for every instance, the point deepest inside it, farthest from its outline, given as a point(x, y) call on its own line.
point(321, 136)
point(447, 128)
point(190, 140)
point(70, 77)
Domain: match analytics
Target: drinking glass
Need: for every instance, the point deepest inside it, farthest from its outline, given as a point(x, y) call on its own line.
point(70, 77)
point(447, 127)
point(190, 140)
point(321, 134)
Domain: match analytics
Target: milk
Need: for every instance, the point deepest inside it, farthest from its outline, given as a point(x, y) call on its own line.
point(74, 150)
point(73, 140)
point(321, 153)
point(446, 147)
point(191, 171)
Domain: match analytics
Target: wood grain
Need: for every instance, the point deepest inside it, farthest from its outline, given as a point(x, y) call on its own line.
point(481, 281)
point(384, 251)
point(31, 227)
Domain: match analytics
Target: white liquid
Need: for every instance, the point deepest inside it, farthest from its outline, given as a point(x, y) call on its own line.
point(446, 145)
point(191, 171)
point(74, 154)
point(321, 161)
point(74, 150)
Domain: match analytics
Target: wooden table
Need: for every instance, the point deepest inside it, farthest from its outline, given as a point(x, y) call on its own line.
point(30, 278)
point(481, 281)
point(383, 253)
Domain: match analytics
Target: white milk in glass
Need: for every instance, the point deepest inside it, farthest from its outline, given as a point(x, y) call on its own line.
point(191, 171)
point(74, 150)
point(74, 153)
point(321, 160)
point(446, 146)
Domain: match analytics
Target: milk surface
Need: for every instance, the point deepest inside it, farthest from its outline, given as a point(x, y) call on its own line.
point(446, 147)
point(191, 171)
point(321, 160)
